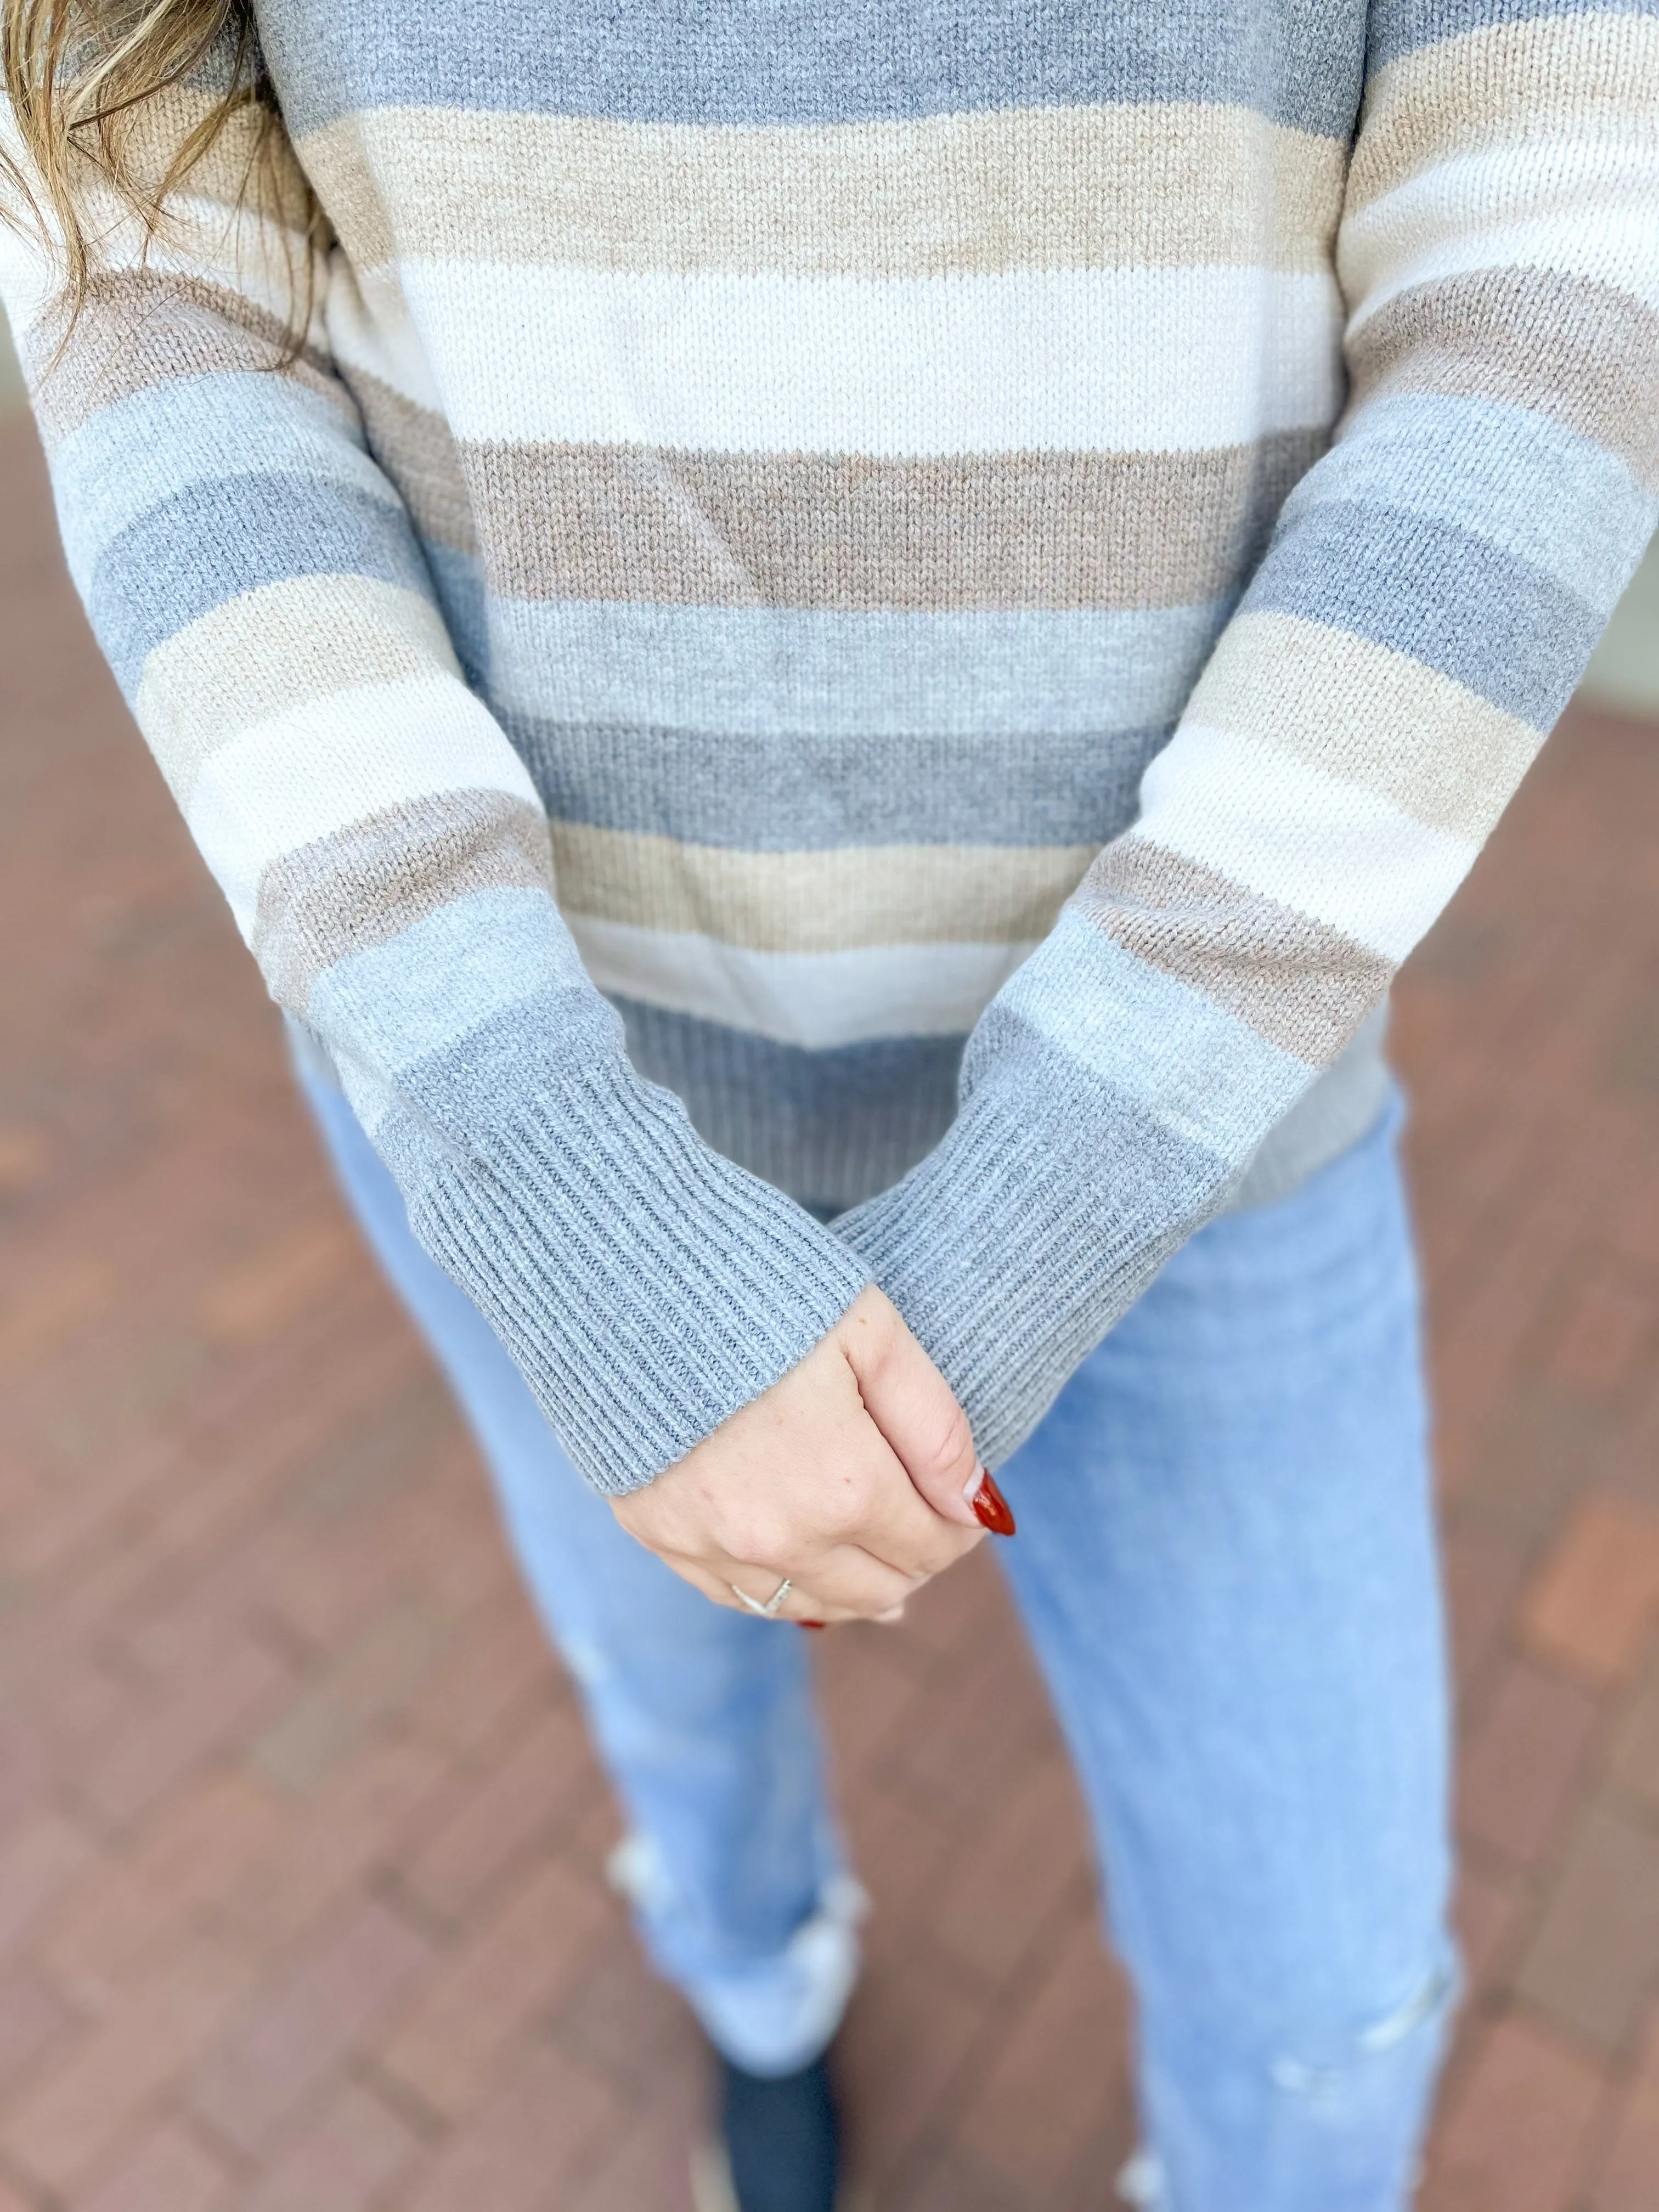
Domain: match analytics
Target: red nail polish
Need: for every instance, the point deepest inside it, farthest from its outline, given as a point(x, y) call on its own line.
point(814, 1624)
point(991, 1509)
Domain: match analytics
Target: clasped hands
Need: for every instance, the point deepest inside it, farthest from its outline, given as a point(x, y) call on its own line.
point(851, 1477)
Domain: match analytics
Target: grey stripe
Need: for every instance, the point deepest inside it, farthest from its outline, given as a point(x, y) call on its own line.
point(1448, 598)
point(830, 1127)
point(780, 673)
point(1409, 24)
point(798, 790)
point(367, 884)
point(855, 533)
point(801, 61)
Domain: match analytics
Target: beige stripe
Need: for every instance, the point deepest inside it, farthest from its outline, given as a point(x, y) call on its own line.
point(1368, 714)
point(414, 445)
point(245, 165)
point(144, 327)
point(1037, 187)
point(273, 649)
point(1551, 78)
point(817, 901)
point(1302, 986)
point(1579, 351)
point(852, 532)
point(367, 884)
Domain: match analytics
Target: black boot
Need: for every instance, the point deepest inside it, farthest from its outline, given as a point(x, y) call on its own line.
point(781, 2139)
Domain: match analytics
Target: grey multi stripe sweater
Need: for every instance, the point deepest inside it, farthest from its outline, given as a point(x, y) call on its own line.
point(893, 607)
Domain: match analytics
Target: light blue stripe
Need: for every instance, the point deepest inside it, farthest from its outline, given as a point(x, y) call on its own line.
point(1534, 490)
point(145, 450)
point(1175, 1053)
point(222, 538)
point(813, 61)
point(775, 671)
point(421, 994)
point(1401, 26)
point(1441, 593)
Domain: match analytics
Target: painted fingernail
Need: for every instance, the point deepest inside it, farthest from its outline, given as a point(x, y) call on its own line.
point(990, 1506)
point(815, 1624)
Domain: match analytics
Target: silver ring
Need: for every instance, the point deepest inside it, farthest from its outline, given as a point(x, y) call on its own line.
point(768, 1611)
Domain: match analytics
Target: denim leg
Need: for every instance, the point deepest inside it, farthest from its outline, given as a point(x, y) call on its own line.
point(1226, 1562)
point(703, 1717)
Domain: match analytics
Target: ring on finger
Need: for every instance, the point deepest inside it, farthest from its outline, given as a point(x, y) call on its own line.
point(769, 1610)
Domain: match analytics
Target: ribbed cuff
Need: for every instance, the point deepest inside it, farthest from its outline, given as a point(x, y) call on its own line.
point(1034, 1223)
point(645, 1287)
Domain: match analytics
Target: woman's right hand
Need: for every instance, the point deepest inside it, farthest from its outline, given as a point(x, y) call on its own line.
point(850, 1477)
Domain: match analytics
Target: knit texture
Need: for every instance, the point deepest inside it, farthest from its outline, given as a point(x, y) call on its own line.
point(897, 611)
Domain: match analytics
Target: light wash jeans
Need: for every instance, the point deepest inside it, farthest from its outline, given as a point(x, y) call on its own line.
point(1225, 1562)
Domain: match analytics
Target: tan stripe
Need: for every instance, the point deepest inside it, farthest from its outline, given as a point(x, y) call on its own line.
point(817, 901)
point(850, 532)
point(141, 328)
point(1036, 187)
point(270, 650)
point(1373, 717)
point(414, 445)
point(367, 884)
point(1550, 78)
point(1563, 345)
point(1302, 986)
point(245, 165)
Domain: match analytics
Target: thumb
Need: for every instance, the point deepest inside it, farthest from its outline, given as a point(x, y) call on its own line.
point(913, 1406)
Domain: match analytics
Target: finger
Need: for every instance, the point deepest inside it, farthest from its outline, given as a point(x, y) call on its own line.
point(845, 1580)
point(798, 1608)
point(913, 1406)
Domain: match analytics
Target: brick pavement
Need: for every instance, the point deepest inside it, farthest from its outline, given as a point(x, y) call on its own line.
point(301, 1903)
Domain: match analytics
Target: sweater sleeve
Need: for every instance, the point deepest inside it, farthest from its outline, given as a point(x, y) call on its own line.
point(259, 588)
point(1427, 604)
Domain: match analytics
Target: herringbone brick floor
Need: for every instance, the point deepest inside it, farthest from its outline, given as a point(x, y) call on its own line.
point(300, 1901)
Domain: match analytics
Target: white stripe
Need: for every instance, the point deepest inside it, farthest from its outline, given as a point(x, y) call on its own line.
point(1178, 358)
point(1328, 848)
point(304, 775)
point(1586, 211)
point(818, 999)
point(369, 330)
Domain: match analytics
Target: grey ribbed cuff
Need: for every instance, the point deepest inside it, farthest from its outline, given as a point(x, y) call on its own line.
point(645, 1287)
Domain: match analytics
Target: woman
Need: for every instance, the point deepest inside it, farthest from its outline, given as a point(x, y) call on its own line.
point(755, 606)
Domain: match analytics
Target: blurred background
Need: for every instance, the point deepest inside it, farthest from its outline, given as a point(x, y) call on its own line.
point(301, 1894)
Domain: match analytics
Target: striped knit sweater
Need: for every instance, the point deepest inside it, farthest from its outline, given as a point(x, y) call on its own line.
point(901, 605)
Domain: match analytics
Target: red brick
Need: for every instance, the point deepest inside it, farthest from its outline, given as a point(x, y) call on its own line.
point(553, 2120)
point(1608, 1327)
point(645, 2169)
point(1591, 1609)
point(1487, 1908)
point(1521, 1759)
point(61, 2128)
point(1483, 1573)
point(345, 2162)
point(338, 1711)
point(46, 1858)
point(504, 1663)
point(354, 1826)
point(186, 1864)
point(304, 2029)
point(34, 2022)
point(1635, 1758)
point(483, 1993)
point(168, 2171)
point(1595, 1953)
point(187, 1716)
point(270, 1287)
point(618, 2016)
point(530, 1797)
point(1627, 2176)
point(1516, 2133)
point(1057, 2074)
point(1030, 1851)
point(908, 2030)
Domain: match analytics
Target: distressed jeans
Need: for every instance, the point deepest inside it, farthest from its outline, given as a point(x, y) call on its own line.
point(1226, 1565)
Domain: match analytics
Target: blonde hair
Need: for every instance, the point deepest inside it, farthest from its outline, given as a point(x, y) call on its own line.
point(80, 75)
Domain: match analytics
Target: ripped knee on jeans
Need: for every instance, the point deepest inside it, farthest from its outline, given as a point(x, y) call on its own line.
point(1421, 2017)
